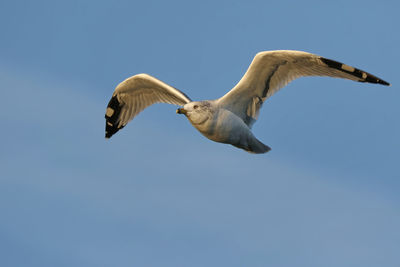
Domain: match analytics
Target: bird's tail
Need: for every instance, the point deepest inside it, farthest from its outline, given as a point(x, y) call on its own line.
point(253, 145)
point(257, 147)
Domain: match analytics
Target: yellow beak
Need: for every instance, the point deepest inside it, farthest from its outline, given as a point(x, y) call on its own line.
point(181, 111)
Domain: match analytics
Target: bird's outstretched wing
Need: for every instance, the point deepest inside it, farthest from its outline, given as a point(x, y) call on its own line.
point(135, 94)
point(272, 70)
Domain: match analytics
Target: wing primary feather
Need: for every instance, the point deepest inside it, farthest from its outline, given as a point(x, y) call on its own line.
point(112, 116)
point(362, 75)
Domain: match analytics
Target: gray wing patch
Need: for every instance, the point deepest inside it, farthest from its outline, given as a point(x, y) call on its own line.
point(362, 75)
point(253, 109)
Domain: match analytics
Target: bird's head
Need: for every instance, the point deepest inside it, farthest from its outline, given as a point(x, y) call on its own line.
point(196, 112)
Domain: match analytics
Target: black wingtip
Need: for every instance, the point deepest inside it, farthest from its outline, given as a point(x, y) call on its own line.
point(112, 117)
point(362, 75)
point(384, 83)
point(372, 79)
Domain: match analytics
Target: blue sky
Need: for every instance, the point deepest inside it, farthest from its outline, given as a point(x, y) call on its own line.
point(160, 194)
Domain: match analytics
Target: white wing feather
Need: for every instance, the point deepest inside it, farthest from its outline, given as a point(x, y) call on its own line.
point(272, 70)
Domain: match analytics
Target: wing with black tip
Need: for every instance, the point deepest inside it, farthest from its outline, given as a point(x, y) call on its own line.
point(135, 94)
point(272, 70)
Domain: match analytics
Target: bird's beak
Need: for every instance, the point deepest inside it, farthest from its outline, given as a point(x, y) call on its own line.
point(181, 111)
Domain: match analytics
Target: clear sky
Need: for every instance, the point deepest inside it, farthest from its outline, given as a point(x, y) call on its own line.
point(160, 194)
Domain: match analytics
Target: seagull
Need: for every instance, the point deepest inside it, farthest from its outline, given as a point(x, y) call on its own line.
point(228, 119)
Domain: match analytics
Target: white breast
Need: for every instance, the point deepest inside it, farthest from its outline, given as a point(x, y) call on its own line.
point(224, 127)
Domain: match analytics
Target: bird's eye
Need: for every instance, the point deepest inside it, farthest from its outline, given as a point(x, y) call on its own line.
point(195, 106)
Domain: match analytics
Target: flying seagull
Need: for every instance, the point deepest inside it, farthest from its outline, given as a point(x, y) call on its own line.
point(228, 119)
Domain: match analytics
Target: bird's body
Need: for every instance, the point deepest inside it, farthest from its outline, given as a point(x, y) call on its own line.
point(229, 118)
point(221, 125)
